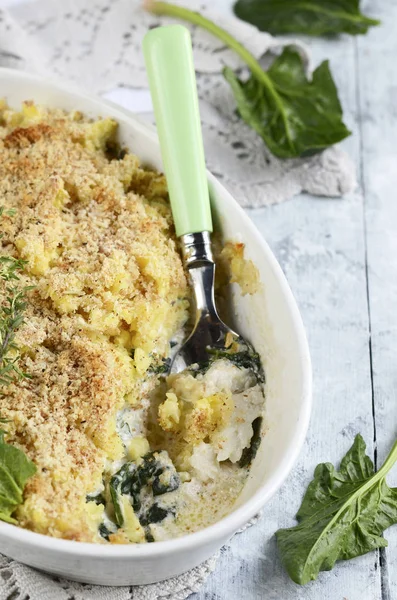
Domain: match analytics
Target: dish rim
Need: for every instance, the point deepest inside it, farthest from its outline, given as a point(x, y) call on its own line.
point(229, 524)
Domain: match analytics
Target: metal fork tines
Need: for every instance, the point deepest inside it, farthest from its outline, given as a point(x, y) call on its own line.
point(209, 331)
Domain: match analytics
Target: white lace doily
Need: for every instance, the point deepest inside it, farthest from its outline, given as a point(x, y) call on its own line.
point(97, 45)
point(18, 582)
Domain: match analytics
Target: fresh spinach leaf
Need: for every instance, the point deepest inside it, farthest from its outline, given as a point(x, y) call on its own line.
point(15, 470)
point(294, 115)
point(309, 17)
point(343, 515)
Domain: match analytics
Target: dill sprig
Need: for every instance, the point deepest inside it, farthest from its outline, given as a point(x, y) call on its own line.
point(11, 315)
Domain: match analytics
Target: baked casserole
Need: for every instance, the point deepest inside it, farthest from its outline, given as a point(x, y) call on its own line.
point(123, 453)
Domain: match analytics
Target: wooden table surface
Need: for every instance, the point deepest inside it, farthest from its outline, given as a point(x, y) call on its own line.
point(340, 257)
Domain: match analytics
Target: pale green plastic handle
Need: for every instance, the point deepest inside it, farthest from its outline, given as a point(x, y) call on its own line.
point(169, 63)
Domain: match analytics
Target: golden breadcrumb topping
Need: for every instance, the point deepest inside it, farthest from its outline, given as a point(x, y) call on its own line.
point(96, 231)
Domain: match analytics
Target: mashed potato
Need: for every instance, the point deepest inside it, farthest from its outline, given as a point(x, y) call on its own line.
point(121, 454)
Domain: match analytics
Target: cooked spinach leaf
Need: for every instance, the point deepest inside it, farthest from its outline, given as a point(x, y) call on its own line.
point(114, 151)
point(155, 514)
point(343, 515)
point(104, 531)
point(148, 535)
point(294, 115)
point(15, 470)
point(244, 358)
point(249, 453)
point(162, 367)
point(97, 498)
point(121, 484)
point(155, 474)
point(309, 17)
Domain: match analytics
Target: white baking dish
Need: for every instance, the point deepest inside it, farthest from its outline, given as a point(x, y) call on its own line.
point(269, 319)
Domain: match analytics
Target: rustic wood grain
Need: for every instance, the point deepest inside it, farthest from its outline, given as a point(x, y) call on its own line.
point(377, 69)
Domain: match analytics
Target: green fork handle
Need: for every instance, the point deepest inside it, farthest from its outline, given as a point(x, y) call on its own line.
point(169, 63)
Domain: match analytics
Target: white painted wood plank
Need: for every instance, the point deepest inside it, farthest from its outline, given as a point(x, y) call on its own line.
point(327, 276)
point(320, 244)
point(377, 55)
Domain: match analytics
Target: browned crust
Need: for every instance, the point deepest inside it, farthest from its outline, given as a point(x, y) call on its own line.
point(107, 278)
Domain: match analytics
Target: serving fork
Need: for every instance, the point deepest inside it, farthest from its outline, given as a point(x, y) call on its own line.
point(169, 63)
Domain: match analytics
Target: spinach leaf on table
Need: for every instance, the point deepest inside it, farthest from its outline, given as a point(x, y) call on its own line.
point(343, 515)
point(295, 116)
point(310, 17)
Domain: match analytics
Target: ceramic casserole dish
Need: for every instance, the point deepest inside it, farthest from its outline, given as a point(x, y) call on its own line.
point(269, 319)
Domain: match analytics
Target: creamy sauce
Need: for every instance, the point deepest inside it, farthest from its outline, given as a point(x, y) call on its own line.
point(191, 432)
